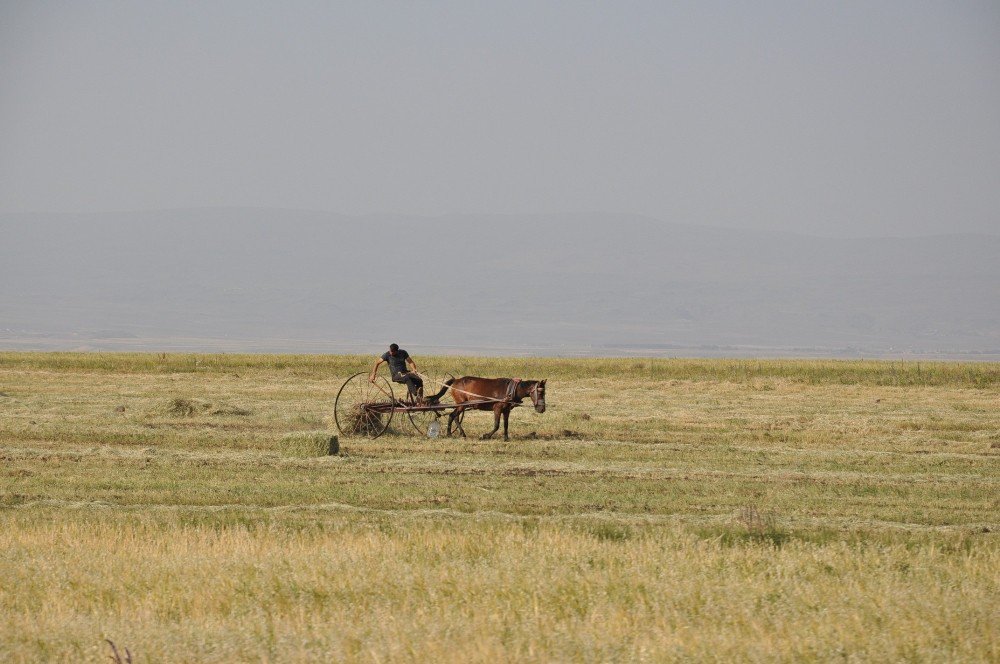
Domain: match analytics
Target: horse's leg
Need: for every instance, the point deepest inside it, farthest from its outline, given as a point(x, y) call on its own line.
point(459, 415)
point(461, 420)
point(506, 416)
point(496, 421)
point(452, 418)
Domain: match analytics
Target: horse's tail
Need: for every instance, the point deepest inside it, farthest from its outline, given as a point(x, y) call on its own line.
point(435, 397)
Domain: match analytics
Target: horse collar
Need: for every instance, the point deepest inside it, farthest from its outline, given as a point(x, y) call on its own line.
point(513, 389)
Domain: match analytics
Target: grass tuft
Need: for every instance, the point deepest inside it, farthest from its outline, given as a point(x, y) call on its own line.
point(611, 532)
point(757, 526)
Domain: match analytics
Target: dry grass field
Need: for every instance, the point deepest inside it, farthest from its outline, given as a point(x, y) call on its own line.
point(703, 510)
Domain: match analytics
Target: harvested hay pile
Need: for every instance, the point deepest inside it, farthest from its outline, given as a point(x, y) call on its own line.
point(362, 421)
point(309, 444)
point(182, 407)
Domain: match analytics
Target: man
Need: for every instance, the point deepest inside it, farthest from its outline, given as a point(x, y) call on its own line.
point(398, 359)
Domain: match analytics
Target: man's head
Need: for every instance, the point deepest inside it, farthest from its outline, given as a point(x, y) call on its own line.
point(393, 348)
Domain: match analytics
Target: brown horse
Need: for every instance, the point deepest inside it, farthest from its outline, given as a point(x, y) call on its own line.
point(496, 394)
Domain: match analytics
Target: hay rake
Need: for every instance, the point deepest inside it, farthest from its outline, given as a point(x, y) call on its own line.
point(366, 408)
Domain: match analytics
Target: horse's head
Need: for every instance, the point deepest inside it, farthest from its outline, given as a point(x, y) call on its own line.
point(537, 394)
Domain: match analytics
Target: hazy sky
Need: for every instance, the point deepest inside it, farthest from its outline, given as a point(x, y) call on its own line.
point(834, 118)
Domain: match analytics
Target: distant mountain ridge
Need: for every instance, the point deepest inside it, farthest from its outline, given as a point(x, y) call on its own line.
point(469, 281)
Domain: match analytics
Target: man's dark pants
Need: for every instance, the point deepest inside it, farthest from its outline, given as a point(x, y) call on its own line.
point(413, 383)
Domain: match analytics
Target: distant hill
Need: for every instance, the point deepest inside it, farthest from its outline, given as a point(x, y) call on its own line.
point(588, 283)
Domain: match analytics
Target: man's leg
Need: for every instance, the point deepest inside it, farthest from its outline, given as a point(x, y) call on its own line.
point(414, 387)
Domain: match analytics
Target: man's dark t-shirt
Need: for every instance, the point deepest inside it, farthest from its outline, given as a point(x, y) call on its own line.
point(397, 364)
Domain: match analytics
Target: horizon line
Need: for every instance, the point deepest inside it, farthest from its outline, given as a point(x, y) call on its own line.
point(446, 215)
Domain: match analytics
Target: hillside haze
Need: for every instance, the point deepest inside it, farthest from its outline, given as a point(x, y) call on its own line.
point(594, 283)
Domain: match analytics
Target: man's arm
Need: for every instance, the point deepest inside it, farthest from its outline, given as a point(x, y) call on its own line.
point(378, 363)
point(409, 360)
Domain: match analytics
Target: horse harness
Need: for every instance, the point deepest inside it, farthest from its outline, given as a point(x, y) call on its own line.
point(512, 391)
